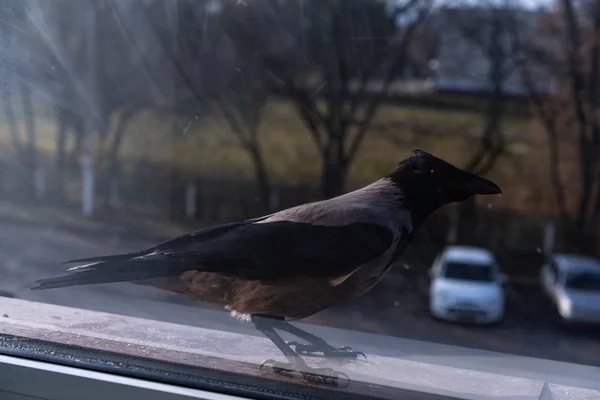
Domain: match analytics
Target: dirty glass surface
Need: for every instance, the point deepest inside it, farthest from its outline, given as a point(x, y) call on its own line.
point(126, 123)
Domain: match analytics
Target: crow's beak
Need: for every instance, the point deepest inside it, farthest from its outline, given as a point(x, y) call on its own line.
point(470, 183)
point(479, 185)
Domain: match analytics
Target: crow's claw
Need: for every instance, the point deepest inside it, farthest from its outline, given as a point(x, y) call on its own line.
point(349, 350)
point(313, 375)
point(311, 350)
point(302, 349)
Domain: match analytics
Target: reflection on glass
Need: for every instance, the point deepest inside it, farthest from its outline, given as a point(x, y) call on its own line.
point(124, 123)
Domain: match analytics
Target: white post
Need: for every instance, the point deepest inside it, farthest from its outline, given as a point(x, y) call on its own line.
point(114, 199)
point(190, 200)
point(87, 160)
point(87, 187)
point(549, 234)
point(40, 182)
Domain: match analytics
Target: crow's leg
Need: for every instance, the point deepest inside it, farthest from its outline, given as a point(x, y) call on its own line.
point(316, 344)
point(296, 364)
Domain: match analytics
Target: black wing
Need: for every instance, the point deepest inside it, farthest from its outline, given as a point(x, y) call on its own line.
point(264, 251)
point(285, 249)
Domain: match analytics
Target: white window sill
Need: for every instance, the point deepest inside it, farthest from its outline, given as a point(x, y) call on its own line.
point(22, 379)
point(392, 366)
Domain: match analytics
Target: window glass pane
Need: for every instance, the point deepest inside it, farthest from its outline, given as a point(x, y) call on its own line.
point(218, 183)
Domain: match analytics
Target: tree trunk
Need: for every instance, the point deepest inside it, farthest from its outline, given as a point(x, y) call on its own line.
point(114, 165)
point(174, 203)
point(594, 103)
point(559, 189)
point(578, 87)
point(335, 171)
point(547, 117)
point(246, 130)
point(485, 158)
point(79, 133)
point(333, 179)
point(13, 128)
point(11, 120)
point(61, 152)
point(29, 115)
point(262, 177)
point(492, 139)
point(493, 134)
point(335, 164)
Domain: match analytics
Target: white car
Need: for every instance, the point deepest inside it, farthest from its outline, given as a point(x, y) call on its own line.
point(466, 286)
point(573, 284)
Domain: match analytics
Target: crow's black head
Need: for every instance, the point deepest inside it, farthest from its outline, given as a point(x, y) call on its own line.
point(431, 182)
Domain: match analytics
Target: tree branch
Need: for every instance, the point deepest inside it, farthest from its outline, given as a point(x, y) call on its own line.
point(573, 45)
point(307, 109)
point(548, 119)
point(395, 62)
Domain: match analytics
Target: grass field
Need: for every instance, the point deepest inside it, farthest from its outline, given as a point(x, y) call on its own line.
point(209, 150)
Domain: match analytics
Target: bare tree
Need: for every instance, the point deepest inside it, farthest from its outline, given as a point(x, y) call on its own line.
point(571, 56)
point(242, 108)
point(135, 68)
point(121, 82)
point(547, 113)
point(333, 60)
point(11, 119)
point(492, 29)
point(211, 75)
point(29, 114)
point(572, 45)
point(59, 75)
point(15, 32)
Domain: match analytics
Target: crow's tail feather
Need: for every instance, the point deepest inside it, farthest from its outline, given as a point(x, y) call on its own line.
point(115, 257)
point(113, 271)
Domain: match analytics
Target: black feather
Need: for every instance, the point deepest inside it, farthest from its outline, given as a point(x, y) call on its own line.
point(115, 257)
point(110, 273)
point(179, 241)
point(269, 251)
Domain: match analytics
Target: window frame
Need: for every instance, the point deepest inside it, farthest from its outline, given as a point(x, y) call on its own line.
point(29, 379)
point(45, 374)
point(53, 336)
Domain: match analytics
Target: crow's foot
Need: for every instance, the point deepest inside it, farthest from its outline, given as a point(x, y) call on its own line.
point(312, 350)
point(314, 375)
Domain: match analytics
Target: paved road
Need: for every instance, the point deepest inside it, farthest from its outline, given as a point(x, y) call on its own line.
point(28, 253)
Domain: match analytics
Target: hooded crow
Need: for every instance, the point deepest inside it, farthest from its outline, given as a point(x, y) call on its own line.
point(296, 262)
